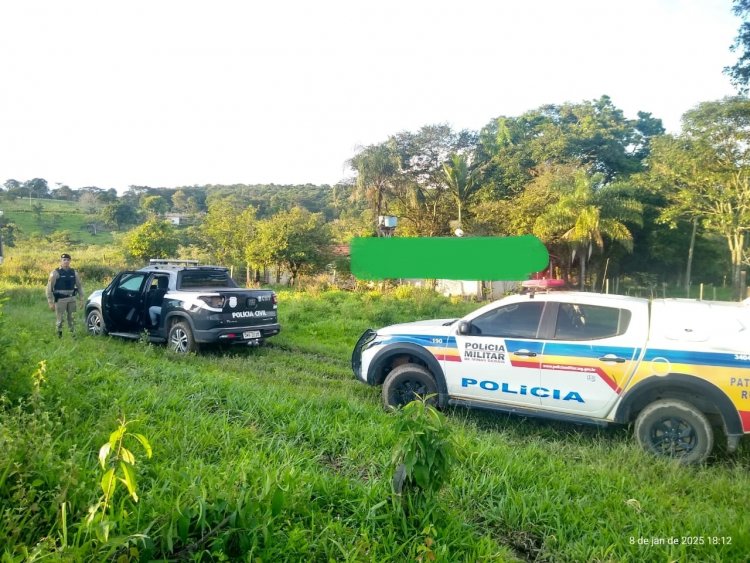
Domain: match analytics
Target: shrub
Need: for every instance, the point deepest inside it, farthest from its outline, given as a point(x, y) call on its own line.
point(425, 451)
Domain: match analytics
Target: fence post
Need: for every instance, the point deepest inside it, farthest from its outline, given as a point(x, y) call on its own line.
point(700, 298)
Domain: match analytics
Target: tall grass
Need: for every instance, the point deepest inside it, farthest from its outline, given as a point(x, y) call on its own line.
point(276, 453)
point(30, 266)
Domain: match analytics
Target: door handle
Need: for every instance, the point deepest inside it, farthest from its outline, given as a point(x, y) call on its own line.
point(612, 358)
point(524, 353)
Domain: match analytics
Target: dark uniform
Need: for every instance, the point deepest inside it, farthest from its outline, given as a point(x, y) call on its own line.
point(63, 287)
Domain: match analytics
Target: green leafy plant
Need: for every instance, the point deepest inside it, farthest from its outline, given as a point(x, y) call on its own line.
point(426, 550)
point(39, 377)
point(425, 451)
point(118, 463)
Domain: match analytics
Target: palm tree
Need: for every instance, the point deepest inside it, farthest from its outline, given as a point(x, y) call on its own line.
point(460, 180)
point(586, 214)
point(376, 166)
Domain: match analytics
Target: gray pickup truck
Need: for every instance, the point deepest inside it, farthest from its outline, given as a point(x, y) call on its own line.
point(184, 305)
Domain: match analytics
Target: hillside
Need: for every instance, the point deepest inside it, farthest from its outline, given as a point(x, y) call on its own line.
point(48, 216)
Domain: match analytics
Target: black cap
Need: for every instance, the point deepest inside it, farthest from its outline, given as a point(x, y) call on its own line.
point(65, 255)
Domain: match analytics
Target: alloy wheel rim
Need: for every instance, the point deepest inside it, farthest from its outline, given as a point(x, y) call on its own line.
point(95, 324)
point(673, 436)
point(179, 340)
point(409, 390)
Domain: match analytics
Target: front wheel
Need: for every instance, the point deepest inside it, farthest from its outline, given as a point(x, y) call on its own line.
point(675, 429)
point(95, 323)
point(180, 339)
point(407, 383)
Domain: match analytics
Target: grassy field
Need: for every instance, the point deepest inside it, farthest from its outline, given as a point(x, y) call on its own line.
point(55, 215)
point(27, 265)
point(278, 454)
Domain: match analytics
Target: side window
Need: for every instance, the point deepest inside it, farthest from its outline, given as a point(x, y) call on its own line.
point(520, 320)
point(131, 282)
point(159, 282)
point(589, 322)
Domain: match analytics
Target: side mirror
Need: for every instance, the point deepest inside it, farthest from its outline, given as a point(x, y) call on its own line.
point(464, 327)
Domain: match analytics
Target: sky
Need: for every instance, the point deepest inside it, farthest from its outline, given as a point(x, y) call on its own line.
point(169, 93)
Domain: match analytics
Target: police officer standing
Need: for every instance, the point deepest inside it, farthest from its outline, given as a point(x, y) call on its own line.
point(62, 288)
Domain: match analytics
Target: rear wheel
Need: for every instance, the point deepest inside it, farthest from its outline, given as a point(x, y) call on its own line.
point(406, 383)
point(180, 339)
point(95, 323)
point(676, 429)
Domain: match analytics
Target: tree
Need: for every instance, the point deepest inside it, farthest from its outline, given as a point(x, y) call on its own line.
point(119, 214)
point(708, 167)
point(106, 196)
point(376, 167)
point(36, 210)
point(460, 180)
point(227, 230)
point(587, 213)
point(155, 238)
point(296, 239)
point(8, 232)
point(594, 134)
point(154, 205)
point(180, 201)
point(63, 192)
point(90, 202)
point(37, 188)
point(423, 153)
point(11, 184)
point(421, 196)
point(739, 74)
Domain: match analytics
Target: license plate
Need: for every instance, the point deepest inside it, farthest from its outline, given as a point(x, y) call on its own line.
point(251, 334)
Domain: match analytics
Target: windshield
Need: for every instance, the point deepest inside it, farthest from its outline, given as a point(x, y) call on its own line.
point(205, 278)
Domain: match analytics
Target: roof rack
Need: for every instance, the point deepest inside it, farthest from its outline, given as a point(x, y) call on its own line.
point(171, 262)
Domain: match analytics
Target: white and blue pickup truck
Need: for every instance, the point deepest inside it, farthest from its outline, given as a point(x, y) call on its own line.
point(678, 368)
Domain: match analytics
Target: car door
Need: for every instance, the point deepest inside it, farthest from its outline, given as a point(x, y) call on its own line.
point(123, 302)
point(498, 358)
point(588, 358)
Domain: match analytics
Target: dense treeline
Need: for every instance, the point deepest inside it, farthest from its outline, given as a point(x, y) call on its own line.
point(604, 192)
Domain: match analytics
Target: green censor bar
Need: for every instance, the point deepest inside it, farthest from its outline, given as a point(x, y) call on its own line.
point(473, 258)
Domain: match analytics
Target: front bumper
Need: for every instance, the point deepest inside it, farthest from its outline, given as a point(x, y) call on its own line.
point(364, 340)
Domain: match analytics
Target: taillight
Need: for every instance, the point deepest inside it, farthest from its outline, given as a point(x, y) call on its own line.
point(274, 299)
point(213, 301)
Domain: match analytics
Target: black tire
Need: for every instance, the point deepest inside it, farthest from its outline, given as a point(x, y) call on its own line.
point(406, 383)
point(675, 429)
point(180, 339)
point(95, 323)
